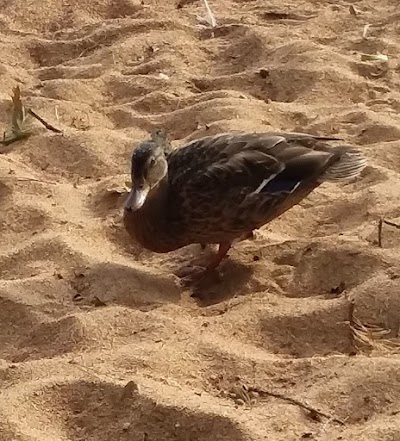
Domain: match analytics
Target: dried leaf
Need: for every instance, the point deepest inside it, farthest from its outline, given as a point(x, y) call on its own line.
point(376, 57)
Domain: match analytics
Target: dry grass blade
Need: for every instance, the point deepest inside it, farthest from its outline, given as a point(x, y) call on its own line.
point(209, 19)
point(367, 336)
point(210, 16)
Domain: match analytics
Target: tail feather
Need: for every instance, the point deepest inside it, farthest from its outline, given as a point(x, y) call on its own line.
point(350, 164)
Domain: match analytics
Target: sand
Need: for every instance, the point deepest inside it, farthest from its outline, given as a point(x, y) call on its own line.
point(98, 340)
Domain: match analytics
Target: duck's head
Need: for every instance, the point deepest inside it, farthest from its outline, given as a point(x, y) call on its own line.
point(148, 168)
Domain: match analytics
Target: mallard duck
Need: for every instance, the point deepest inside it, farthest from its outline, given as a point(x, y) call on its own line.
point(219, 189)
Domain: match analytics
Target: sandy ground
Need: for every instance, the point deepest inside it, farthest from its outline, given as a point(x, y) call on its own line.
point(98, 341)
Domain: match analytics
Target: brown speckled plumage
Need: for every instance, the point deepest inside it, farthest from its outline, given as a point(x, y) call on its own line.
point(220, 188)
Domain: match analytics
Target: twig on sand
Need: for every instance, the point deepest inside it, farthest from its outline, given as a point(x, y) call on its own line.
point(249, 394)
point(93, 46)
point(312, 410)
point(353, 345)
point(46, 124)
point(392, 224)
point(380, 229)
point(22, 179)
point(380, 225)
point(19, 112)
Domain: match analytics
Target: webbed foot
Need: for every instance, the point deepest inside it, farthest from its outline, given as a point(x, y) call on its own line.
point(195, 273)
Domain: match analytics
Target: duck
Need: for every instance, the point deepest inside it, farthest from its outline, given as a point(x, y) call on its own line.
point(219, 189)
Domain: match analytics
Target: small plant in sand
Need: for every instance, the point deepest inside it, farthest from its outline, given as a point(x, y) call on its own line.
point(20, 130)
point(19, 127)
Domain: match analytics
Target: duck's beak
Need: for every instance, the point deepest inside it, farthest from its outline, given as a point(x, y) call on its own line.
point(137, 196)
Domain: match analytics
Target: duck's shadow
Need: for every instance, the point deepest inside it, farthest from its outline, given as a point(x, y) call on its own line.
point(140, 287)
point(231, 279)
point(133, 286)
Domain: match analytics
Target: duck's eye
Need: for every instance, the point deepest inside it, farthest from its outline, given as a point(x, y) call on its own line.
point(152, 162)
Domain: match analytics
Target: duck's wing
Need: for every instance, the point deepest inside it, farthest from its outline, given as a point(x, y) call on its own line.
point(242, 181)
point(196, 156)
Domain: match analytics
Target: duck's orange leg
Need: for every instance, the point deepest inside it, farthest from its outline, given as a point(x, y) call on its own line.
point(249, 236)
point(195, 273)
point(219, 257)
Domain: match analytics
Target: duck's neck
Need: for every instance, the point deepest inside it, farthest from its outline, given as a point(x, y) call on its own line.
point(149, 225)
